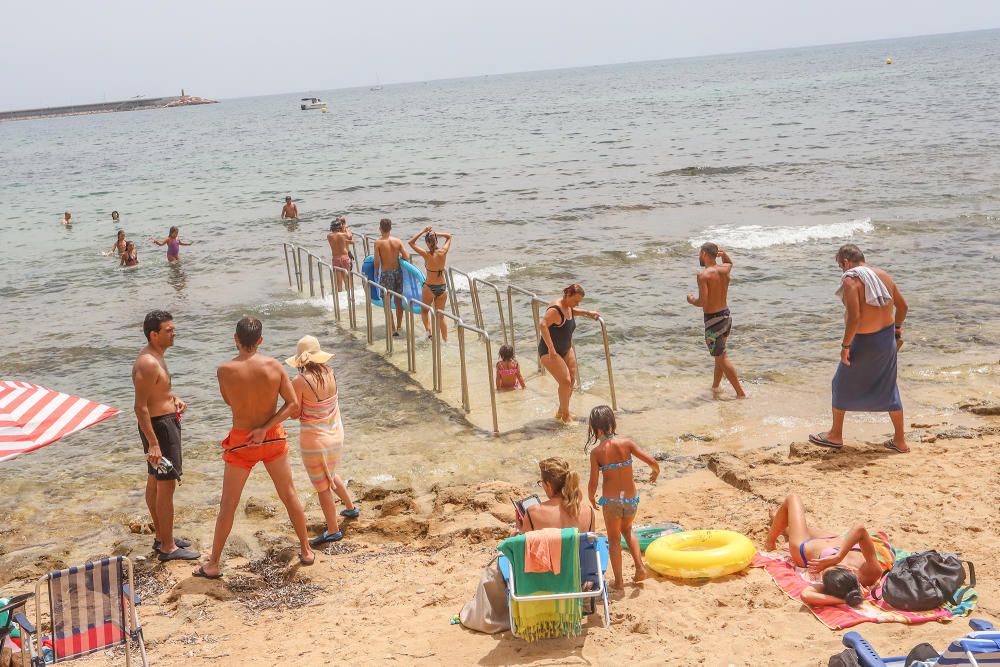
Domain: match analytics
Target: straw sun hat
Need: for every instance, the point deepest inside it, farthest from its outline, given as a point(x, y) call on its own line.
point(308, 350)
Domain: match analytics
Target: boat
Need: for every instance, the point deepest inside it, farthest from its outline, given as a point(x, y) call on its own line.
point(312, 103)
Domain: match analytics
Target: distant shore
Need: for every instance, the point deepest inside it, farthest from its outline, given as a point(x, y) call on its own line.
point(106, 107)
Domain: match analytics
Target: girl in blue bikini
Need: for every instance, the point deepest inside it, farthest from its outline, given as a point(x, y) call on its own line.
point(620, 499)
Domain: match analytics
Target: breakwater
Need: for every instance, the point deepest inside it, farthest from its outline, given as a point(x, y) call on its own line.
point(106, 107)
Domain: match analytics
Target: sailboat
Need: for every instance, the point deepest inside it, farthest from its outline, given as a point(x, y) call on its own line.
point(378, 86)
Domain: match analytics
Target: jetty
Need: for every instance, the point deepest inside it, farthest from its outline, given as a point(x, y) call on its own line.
point(138, 104)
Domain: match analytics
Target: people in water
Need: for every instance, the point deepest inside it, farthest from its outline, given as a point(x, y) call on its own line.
point(289, 211)
point(563, 506)
point(388, 271)
point(508, 371)
point(435, 290)
point(129, 257)
point(612, 457)
point(115, 218)
point(119, 246)
point(713, 290)
point(340, 239)
point(321, 438)
point(173, 243)
point(555, 349)
point(158, 410)
point(67, 218)
point(251, 383)
point(865, 380)
point(847, 562)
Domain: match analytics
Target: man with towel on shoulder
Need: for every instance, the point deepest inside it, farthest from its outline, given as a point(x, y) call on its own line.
point(873, 332)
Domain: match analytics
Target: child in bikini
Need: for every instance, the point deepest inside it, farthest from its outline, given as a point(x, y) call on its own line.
point(620, 499)
point(130, 257)
point(508, 370)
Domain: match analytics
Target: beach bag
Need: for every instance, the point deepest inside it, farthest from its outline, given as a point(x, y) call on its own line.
point(487, 611)
point(924, 581)
point(847, 658)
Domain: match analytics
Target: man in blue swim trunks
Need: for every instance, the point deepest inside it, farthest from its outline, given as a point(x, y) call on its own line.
point(713, 291)
point(388, 271)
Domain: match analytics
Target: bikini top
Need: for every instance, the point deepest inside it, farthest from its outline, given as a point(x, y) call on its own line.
point(611, 466)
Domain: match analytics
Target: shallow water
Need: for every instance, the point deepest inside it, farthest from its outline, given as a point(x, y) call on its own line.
point(609, 176)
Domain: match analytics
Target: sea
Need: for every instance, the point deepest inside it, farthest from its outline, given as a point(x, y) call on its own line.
point(610, 176)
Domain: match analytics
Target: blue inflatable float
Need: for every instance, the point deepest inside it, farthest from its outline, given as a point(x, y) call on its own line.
point(413, 281)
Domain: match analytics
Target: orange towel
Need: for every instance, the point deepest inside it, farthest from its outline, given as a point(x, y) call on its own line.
point(543, 550)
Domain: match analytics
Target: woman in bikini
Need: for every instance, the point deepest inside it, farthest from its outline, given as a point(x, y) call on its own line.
point(173, 243)
point(436, 286)
point(564, 506)
point(619, 499)
point(321, 437)
point(129, 257)
point(508, 371)
point(119, 247)
point(555, 349)
point(847, 563)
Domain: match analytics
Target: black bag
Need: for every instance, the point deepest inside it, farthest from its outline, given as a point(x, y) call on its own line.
point(846, 658)
point(924, 581)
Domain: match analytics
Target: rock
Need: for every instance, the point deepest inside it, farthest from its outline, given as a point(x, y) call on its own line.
point(982, 408)
point(398, 505)
point(381, 492)
point(686, 437)
point(258, 508)
point(729, 469)
point(140, 526)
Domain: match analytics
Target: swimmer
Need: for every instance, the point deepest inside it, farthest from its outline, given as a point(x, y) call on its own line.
point(436, 287)
point(115, 218)
point(66, 218)
point(129, 257)
point(508, 370)
point(290, 211)
point(119, 247)
point(340, 239)
point(173, 243)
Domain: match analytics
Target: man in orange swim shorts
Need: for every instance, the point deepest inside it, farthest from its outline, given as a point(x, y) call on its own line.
point(251, 383)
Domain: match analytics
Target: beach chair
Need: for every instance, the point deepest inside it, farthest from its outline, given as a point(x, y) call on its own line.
point(12, 616)
point(979, 647)
point(593, 563)
point(90, 608)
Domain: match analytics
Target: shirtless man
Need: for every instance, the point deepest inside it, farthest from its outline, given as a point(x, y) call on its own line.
point(389, 273)
point(159, 413)
point(250, 384)
point(713, 289)
point(289, 211)
point(340, 239)
point(865, 381)
point(66, 218)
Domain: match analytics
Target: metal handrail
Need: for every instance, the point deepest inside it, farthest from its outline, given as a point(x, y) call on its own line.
point(474, 288)
point(389, 320)
point(510, 312)
point(368, 303)
point(333, 287)
point(485, 337)
point(285, 248)
point(435, 343)
point(367, 241)
point(454, 293)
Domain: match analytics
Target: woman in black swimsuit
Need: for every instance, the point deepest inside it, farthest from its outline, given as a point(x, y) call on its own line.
point(435, 286)
point(555, 349)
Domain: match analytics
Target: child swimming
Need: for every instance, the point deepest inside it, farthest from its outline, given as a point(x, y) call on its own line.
point(129, 257)
point(620, 499)
point(173, 243)
point(119, 247)
point(508, 370)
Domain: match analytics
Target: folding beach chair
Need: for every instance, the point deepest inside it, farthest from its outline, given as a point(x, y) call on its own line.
point(593, 563)
point(12, 616)
point(979, 647)
point(91, 608)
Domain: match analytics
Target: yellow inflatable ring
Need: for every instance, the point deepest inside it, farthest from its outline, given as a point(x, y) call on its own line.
point(700, 554)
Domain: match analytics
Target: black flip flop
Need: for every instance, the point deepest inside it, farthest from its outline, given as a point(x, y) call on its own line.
point(823, 442)
point(200, 572)
point(889, 444)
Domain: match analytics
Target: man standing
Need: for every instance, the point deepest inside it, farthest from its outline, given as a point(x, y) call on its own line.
point(340, 238)
point(289, 211)
point(250, 384)
point(865, 380)
point(388, 271)
point(713, 291)
point(159, 413)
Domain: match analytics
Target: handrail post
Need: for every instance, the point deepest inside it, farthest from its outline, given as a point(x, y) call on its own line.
point(496, 292)
point(465, 378)
point(368, 305)
point(411, 352)
point(333, 291)
point(299, 250)
point(388, 321)
point(312, 289)
point(538, 334)
point(491, 382)
point(288, 267)
point(322, 287)
point(352, 314)
point(607, 358)
point(452, 292)
point(436, 348)
point(510, 317)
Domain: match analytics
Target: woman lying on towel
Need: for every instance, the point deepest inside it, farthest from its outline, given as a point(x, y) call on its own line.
point(849, 562)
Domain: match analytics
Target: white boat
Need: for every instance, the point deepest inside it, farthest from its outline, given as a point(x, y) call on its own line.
point(312, 103)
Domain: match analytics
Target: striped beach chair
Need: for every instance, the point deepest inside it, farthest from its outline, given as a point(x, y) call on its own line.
point(90, 608)
point(978, 648)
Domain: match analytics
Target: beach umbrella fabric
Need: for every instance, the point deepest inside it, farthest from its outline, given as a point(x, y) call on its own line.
point(32, 416)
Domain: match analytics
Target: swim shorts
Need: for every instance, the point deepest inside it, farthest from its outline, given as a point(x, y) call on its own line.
point(239, 452)
point(343, 262)
point(168, 434)
point(392, 279)
point(717, 328)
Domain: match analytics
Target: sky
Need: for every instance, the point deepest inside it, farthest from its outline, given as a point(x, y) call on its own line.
point(57, 52)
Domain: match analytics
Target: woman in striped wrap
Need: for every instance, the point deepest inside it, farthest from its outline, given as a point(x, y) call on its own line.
point(321, 437)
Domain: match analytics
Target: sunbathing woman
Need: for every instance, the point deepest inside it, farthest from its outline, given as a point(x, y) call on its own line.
point(849, 562)
point(173, 243)
point(436, 286)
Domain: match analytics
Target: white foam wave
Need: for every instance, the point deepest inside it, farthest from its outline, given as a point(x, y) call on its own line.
point(752, 237)
point(486, 273)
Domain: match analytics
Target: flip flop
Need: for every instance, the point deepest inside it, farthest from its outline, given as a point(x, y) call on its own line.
point(326, 537)
point(305, 562)
point(351, 513)
point(823, 442)
point(889, 444)
point(200, 572)
point(178, 554)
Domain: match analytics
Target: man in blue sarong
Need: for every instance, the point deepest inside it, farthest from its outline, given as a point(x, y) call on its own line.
point(865, 380)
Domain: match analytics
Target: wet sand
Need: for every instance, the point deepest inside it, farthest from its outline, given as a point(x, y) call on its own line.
point(386, 593)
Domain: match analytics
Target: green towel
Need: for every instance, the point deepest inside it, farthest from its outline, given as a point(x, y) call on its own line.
point(546, 618)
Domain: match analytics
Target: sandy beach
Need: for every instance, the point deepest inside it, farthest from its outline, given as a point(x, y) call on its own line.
point(386, 594)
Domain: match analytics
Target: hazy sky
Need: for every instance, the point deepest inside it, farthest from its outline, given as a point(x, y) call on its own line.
point(68, 51)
